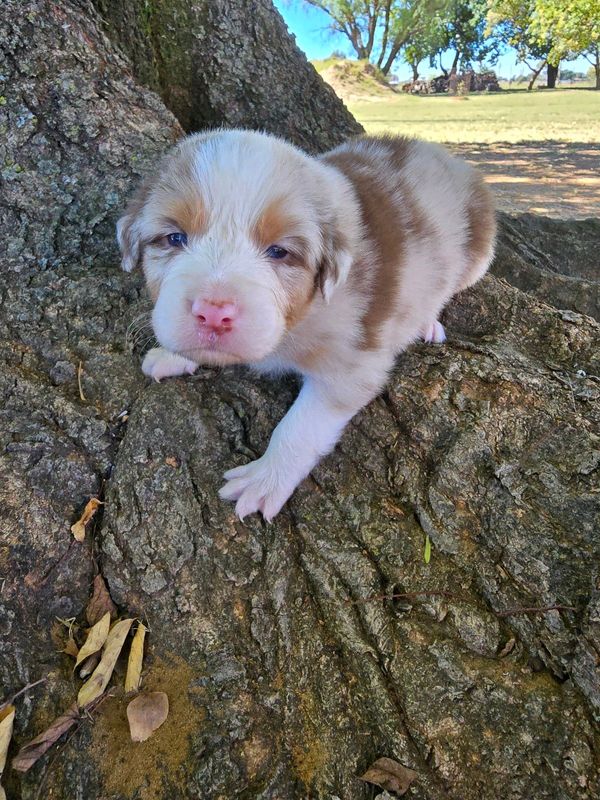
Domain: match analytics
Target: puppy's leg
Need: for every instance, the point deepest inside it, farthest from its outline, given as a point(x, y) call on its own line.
point(308, 431)
point(159, 363)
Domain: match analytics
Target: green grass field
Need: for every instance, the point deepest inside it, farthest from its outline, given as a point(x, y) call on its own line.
point(571, 115)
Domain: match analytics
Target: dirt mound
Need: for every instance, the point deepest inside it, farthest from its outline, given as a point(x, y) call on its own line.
point(356, 79)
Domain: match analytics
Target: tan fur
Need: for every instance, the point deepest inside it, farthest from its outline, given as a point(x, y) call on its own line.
point(275, 226)
point(386, 241)
point(272, 225)
point(187, 213)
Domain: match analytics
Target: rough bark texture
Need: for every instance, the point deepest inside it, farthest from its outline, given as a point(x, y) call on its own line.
point(556, 260)
point(286, 671)
point(228, 62)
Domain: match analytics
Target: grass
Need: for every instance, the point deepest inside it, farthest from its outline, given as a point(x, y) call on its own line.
point(571, 115)
point(321, 64)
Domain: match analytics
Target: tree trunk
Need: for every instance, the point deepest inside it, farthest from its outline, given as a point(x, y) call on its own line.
point(552, 75)
point(415, 70)
point(453, 76)
point(228, 62)
point(535, 75)
point(454, 67)
point(392, 56)
point(293, 654)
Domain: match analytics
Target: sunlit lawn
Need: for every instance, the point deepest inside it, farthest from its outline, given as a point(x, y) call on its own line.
point(566, 114)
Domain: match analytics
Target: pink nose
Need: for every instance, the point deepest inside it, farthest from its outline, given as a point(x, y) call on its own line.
point(214, 316)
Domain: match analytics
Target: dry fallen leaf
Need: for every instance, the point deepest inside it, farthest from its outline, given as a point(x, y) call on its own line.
point(7, 718)
point(71, 648)
point(171, 461)
point(146, 713)
point(29, 753)
point(390, 775)
point(95, 639)
point(136, 656)
point(99, 679)
point(100, 602)
point(78, 529)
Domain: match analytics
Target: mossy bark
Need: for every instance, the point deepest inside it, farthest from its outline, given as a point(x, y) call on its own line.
point(228, 62)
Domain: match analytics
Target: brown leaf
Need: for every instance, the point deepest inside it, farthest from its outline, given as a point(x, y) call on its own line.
point(100, 602)
point(78, 529)
point(71, 648)
point(99, 679)
point(146, 713)
point(136, 656)
point(171, 461)
point(390, 775)
point(29, 753)
point(7, 718)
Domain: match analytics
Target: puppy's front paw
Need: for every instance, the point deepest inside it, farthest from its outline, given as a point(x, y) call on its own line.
point(261, 485)
point(434, 333)
point(159, 363)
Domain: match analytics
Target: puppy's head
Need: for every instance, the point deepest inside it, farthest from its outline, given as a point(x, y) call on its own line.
point(238, 235)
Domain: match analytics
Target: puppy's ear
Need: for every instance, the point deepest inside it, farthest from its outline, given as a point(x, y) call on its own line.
point(129, 243)
point(128, 230)
point(335, 263)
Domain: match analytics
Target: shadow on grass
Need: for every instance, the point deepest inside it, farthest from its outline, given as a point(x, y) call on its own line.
point(558, 179)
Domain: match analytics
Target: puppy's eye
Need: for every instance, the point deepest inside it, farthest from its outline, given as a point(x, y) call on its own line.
point(178, 239)
point(275, 252)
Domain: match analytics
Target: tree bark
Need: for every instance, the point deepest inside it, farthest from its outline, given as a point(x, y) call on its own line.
point(297, 653)
point(227, 62)
point(552, 75)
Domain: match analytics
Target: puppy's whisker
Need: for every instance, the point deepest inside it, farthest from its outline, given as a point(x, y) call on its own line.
point(138, 327)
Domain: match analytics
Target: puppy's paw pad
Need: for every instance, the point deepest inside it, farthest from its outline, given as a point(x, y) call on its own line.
point(434, 333)
point(159, 363)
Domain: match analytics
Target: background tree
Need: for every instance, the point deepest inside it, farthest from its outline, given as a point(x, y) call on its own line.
point(378, 30)
point(511, 22)
point(573, 26)
point(549, 30)
point(465, 33)
point(425, 43)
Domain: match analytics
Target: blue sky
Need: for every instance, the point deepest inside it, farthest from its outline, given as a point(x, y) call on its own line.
point(309, 25)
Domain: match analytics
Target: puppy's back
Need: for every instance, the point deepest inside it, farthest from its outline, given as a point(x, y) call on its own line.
point(436, 194)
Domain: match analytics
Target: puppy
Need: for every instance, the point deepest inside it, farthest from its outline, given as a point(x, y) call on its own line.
point(257, 253)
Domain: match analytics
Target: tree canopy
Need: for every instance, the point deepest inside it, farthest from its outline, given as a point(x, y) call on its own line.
point(545, 31)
